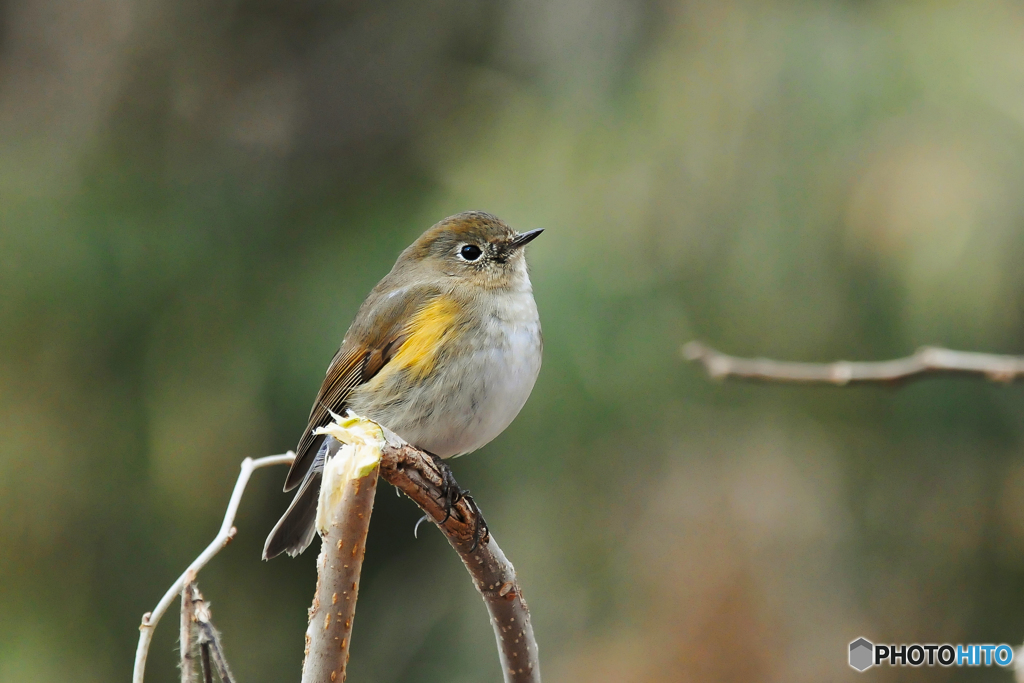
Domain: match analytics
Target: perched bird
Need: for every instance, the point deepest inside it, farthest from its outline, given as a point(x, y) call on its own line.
point(444, 352)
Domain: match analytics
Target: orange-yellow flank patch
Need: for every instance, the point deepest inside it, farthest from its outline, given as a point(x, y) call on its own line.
point(427, 330)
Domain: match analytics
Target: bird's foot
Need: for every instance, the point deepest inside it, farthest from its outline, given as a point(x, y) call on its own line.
point(453, 494)
point(480, 530)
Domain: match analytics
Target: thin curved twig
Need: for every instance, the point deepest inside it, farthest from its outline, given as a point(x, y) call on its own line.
point(223, 537)
point(927, 361)
point(416, 475)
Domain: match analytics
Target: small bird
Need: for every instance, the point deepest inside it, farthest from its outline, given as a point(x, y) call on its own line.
point(444, 352)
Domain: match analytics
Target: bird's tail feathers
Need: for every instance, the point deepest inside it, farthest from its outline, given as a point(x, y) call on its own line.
point(295, 530)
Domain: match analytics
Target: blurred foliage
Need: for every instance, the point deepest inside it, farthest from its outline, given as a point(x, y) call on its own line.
point(197, 197)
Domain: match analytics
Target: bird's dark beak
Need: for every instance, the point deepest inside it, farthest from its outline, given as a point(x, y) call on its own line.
point(524, 238)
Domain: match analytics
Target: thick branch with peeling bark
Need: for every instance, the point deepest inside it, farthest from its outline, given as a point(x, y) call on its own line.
point(342, 548)
point(416, 475)
point(927, 361)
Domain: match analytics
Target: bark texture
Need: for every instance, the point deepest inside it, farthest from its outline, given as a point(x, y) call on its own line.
point(416, 475)
point(329, 635)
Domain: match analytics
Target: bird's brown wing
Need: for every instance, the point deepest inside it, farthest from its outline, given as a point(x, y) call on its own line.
point(349, 369)
point(374, 338)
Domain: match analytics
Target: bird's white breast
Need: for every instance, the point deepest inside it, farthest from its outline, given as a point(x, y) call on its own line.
point(504, 370)
point(480, 382)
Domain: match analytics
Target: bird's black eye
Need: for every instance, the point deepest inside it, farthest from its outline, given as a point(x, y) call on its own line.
point(470, 252)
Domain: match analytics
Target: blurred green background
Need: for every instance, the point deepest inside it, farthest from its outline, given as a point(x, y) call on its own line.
point(195, 198)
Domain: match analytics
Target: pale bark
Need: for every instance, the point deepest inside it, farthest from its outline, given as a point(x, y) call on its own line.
point(343, 546)
point(185, 646)
point(926, 361)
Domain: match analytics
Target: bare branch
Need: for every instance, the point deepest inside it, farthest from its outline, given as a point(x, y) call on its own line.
point(342, 548)
point(416, 475)
point(927, 361)
point(188, 673)
point(224, 536)
point(204, 649)
point(209, 639)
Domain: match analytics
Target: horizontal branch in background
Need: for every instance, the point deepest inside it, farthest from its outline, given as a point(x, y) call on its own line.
point(415, 473)
point(927, 361)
